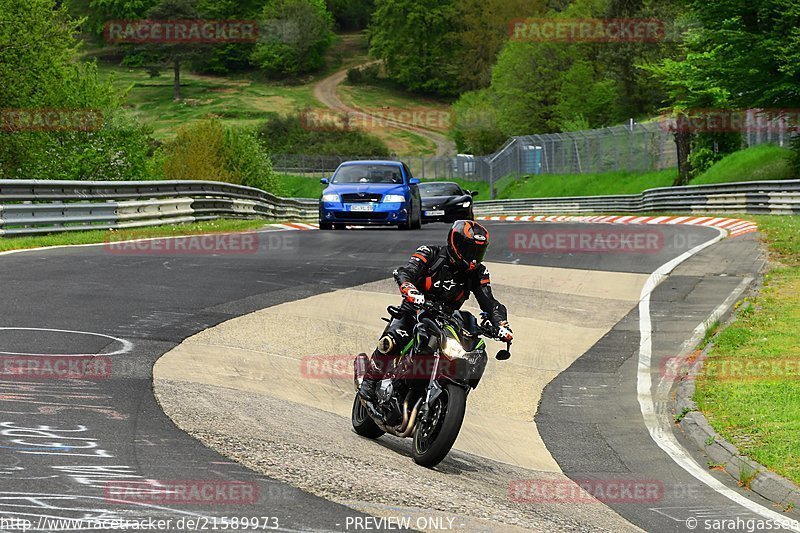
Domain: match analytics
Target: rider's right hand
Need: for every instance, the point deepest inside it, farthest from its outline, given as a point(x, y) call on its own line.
point(411, 294)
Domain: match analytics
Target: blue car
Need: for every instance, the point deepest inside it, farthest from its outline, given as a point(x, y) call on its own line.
point(371, 193)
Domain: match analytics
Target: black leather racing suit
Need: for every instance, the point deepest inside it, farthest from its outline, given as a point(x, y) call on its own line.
point(431, 272)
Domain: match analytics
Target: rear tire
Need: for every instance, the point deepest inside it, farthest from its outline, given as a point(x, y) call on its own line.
point(362, 423)
point(432, 444)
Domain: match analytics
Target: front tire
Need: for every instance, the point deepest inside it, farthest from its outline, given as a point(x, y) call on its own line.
point(434, 437)
point(325, 225)
point(417, 224)
point(362, 423)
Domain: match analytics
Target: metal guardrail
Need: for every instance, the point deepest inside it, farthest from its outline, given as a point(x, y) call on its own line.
point(754, 197)
point(31, 207)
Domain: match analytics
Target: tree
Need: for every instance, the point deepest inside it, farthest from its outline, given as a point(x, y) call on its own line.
point(176, 53)
point(297, 35)
point(38, 73)
point(351, 14)
point(527, 85)
point(740, 55)
point(417, 41)
point(475, 128)
point(483, 29)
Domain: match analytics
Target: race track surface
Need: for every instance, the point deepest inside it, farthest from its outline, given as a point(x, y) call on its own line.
point(65, 443)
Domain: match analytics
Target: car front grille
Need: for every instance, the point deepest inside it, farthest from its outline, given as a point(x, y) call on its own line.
point(358, 215)
point(361, 197)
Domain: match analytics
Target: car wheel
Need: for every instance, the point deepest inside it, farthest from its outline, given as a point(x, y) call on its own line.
point(417, 224)
point(325, 225)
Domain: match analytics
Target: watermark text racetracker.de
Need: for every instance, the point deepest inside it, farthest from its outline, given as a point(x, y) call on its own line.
point(186, 492)
point(730, 368)
point(586, 490)
point(587, 30)
point(49, 120)
point(638, 240)
point(124, 243)
point(55, 367)
point(180, 31)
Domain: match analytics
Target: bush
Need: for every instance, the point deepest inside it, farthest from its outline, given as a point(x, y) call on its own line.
point(364, 75)
point(708, 148)
point(208, 150)
point(287, 135)
point(475, 129)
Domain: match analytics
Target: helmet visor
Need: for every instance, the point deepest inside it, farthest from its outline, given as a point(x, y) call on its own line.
point(472, 251)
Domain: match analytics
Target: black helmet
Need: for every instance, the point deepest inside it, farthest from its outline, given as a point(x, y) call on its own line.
point(466, 244)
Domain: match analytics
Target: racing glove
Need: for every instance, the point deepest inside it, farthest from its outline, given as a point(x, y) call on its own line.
point(411, 294)
point(504, 331)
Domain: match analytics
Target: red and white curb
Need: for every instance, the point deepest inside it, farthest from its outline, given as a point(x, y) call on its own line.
point(292, 226)
point(733, 226)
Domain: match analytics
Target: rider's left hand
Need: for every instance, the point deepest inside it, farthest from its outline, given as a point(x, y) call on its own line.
point(504, 332)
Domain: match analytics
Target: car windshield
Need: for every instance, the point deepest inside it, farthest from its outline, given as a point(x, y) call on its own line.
point(440, 189)
point(369, 174)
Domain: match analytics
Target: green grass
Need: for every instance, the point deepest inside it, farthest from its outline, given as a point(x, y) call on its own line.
point(240, 101)
point(547, 185)
point(761, 415)
point(763, 162)
point(100, 236)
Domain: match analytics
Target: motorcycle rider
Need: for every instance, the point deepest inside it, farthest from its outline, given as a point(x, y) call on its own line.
point(444, 274)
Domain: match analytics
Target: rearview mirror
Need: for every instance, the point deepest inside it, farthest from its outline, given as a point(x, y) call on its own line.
point(413, 181)
point(324, 181)
point(473, 193)
point(502, 355)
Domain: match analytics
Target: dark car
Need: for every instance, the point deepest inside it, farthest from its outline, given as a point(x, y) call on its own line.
point(371, 193)
point(445, 201)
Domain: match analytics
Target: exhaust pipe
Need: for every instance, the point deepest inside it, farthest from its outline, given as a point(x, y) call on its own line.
point(360, 367)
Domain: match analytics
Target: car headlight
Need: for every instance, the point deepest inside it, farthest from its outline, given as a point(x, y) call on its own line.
point(330, 198)
point(453, 349)
point(465, 204)
point(394, 198)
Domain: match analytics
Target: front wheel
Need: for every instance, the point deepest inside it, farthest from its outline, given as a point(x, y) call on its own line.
point(362, 423)
point(417, 224)
point(434, 436)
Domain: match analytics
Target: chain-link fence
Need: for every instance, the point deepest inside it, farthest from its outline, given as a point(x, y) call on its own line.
point(632, 147)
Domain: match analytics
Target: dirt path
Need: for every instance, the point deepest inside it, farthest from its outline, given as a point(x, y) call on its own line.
point(326, 92)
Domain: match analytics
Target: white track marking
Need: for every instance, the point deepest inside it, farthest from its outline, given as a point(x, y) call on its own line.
point(127, 346)
point(661, 433)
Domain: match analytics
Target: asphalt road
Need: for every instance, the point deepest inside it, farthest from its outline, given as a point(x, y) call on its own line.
point(63, 443)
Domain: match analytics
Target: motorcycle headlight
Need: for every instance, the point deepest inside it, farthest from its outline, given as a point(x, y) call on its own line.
point(453, 349)
point(330, 197)
point(394, 198)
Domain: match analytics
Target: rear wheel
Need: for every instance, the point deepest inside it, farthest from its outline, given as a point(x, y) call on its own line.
point(362, 423)
point(434, 436)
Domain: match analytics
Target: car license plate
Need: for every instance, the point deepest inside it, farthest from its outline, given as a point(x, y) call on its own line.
point(437, 213)
point(361, 207)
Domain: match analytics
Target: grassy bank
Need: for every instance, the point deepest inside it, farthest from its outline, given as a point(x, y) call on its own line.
point(100, 236)
point(766, 162)
point(759, 412)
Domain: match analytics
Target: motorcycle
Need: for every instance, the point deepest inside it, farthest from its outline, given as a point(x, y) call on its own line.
point(424, 392)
